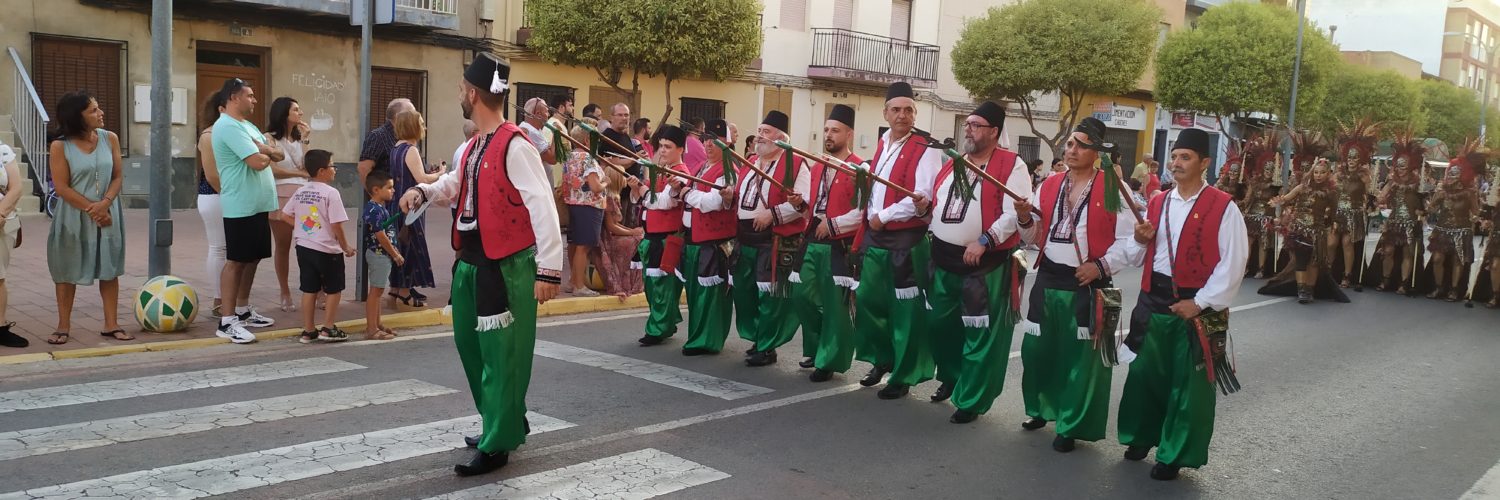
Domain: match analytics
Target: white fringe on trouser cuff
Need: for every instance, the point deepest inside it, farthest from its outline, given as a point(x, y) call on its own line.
point(910, 292)
point(764, 286)
point(1084, 334)
point(710, 281)
point(795, 277)
point(636, 265)
point(1029, 328)
point(495, 321)
point(846, 282)
point(678, 272)
point(975, 321)
point(655, 273)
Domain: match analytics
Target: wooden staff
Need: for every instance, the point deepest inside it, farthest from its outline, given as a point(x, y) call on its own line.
point(586, 148)
point(750, 164)
point(841, 166)
point(643, 160)
point(1130, 200)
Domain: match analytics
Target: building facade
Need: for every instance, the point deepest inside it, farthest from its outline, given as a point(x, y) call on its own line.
point(1469, 43)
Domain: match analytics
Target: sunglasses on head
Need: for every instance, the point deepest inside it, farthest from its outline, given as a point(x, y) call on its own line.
point(233, 85)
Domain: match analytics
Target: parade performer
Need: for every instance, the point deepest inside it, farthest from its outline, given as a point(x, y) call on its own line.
point(1346, 243)
point(1082, 245)
point(1260, 216)
point(660, 252)
point(976, 279)
point(889, 306)
point(1454, 207)
point(1307, 224)
point(1487, 286)
point(771, 224)
point(826, 280)
point(705, 261)
point(1401, 237)
point(1231, 176)
point(509, 248)
point(1194, 247)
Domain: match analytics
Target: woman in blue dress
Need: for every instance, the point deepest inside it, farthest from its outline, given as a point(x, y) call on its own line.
point(408, 170)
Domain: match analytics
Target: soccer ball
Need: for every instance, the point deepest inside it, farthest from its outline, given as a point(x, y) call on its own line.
point(165, 304)
point(594, 279)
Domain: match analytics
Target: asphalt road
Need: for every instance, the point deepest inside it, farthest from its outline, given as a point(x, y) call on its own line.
point(1387, 397)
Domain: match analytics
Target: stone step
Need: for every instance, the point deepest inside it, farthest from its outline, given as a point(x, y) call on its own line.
point(29, 205)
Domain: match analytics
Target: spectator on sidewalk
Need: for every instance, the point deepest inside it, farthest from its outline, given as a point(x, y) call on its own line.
point(248, 197)
point(619, 245)
point(408, 169)
point(288, 132)
point(584, 182)
point(375, 154)
point(470, 130)
point(317, 210)
point(640, 137)
point(87, 241)
point(695, 154)
point(533, 123)
point(562, 111)
point(10, 231)
point(594, 111)
point(380, 249)
point(208, 201)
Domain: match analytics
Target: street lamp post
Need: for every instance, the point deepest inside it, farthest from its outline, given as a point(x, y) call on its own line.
point(1489, 64)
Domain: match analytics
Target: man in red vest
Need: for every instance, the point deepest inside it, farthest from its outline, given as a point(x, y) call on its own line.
point(1082, 245)
point(890, 310)
point(825, 282)
point(705, 260)
point(661, 250)
point(1194, 248)
point(771, 222)
point(976, 283)
point(509, 260)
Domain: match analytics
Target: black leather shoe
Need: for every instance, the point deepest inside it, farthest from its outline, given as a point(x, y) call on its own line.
point(482, 463)
point(1164, 472)
point(1136, 453)
point(963, 417)
point(1062, 444)
point(761, 358)
point(894, 391)
point(695, 351)
point(874, 377)
point(943, 392)
point(473, 441)
point(820, 376)
point(648, 340)
point(1033, 423)
point(806, 362)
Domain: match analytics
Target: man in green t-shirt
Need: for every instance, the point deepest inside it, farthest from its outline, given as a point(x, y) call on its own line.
point(248, 196)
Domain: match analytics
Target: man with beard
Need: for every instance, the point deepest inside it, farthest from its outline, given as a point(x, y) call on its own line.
point(509, 260)
point(661, 250)
point(825, 282)
point(705, 260)
point(771, 223)
point(1082, 245)
point(976, 284)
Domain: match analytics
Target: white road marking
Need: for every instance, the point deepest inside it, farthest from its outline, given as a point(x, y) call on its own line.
point(224, 475)
point(1262, 303)
point(1486, 488)
point(655, 372)
point(96, 433)
point(93, 392)
point(640, 474)
point(544, 324)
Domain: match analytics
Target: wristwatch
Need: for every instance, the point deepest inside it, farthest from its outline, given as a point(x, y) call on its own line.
point(984, 239)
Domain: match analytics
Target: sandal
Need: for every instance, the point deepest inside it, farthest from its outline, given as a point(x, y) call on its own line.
point(116, 334)
point(387, 329)
point(411, 301)
point(57, 338)
point(1493, 303)
point(380, 335)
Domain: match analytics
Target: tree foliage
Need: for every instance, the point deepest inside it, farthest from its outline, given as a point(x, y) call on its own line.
point(1357, 92)
point(1450, 112)
point(1070, 47)
point(708, 39)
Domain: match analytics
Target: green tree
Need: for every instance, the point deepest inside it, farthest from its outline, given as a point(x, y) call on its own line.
point(1068, 47)
point(1450, 113)
point(1239, 61)
point(708, 39)
point(1358, 92)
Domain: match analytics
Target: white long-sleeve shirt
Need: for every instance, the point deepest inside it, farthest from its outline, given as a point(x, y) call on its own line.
point(965, 228)
point(848, 221)
point(525, 170)
point(705, 201)
point(666, 199)
point(1115, 259)
point(1234, 250)
point(927, 170)
point(755, 199)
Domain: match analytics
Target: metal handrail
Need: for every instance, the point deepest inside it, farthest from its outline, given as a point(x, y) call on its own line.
point(29, 119)
point(36, 99)
point(854, 50)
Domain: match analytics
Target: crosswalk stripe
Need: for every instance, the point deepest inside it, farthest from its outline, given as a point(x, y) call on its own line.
point(224, 475)
point(96, 433)
point(93, 392)
point(639, 474)
point(655, 372)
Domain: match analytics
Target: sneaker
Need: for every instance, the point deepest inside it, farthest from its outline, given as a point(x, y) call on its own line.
point(235, 331)
point(333, 334)
point(585, 292)
point(254, 319)
point(307, 337)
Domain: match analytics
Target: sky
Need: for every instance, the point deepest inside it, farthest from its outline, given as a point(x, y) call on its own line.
point(1412, 28)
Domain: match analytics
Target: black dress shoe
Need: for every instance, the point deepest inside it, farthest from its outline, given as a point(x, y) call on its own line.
point(761, 358)
point(894, 391)
point(695, 351)
point(648, 340)
point(473, 441)
point(874, 377)
point(806, 362)
point(820, 375)
point(482, 463)
point(963, 417)
point(1164, 472)
point(1062, 444)
point(1033, 423)
point(1136, 453)
point(943, 392)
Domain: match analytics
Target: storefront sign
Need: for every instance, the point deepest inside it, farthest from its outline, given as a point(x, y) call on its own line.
point(1182, 119)
point(1128, 117)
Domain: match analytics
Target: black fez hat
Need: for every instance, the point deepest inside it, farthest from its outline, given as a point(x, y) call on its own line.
point(718, 128)
point(488, 73)
point(843, 114)
point(992, 113)
point(1194, 139)
point(672, 133)
point(899, 89)
point(1094, 130)
point(777, 119)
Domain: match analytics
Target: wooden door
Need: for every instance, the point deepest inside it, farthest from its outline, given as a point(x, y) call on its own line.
point(218, 63)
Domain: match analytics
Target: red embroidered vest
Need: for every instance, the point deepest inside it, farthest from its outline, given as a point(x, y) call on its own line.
point(840, 197)
point(1101, 222)
point(1198, 242)
point(776, 196)
point(503, 219)
point(904, 174)
point(669, 220)
point(991, 199)
point(716, 225)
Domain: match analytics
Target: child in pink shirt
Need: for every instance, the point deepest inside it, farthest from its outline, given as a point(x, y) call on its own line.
point(317, 214)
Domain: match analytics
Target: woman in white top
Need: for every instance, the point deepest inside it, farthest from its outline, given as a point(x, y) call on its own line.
point(10, 228)
point(287, 131)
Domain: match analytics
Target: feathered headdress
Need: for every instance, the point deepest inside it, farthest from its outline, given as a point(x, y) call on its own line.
point(1308, 146)
point(1358, 139)
point(1406, 145)
point(1260, 153)
point(1234, 162)
point(1470, 161)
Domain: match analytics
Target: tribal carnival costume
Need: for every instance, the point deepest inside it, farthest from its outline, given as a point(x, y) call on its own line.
point(1306, 224)
point(1400, 250)
point(1352, 177)
point(1454, 207)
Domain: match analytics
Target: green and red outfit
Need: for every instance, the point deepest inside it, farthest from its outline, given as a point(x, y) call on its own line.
point(768, 257)
point(661, 253)
point(705, 262)
point(824, 285)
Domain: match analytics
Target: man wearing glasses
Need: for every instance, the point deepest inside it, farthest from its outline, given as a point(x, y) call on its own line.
point(248, 197)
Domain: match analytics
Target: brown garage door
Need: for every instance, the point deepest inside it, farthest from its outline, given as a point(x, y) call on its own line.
point(61, 65)
point(387, 84)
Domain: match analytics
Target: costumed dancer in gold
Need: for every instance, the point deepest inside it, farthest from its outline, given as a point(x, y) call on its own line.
point(1346, 242)
point(1487, 286)
point(1308, 222)
point(1401, 238)
point(1260, 216)
point(1454, 207)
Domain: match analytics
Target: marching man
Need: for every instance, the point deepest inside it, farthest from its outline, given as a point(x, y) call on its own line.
point(826, 279)
point(771, 223)
point(705, 260)
point(661, 250)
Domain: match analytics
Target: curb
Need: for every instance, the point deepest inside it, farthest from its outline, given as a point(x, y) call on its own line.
point(410, 319)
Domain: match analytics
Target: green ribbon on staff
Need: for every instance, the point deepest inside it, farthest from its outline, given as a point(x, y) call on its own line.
point(961, 180)
point(1111, 180)
point(560, 152)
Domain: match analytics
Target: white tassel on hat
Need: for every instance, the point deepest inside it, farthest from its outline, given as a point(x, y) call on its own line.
point(497, 84)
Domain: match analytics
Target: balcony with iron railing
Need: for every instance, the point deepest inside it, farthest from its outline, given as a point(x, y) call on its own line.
point(434, 14)
point(846, 55)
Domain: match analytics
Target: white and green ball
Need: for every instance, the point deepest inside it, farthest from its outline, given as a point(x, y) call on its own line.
point(166, 304)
